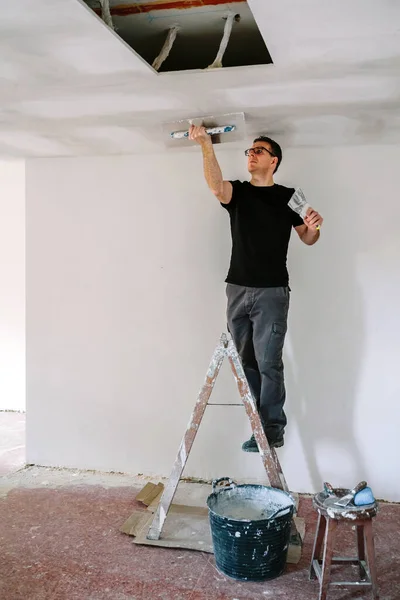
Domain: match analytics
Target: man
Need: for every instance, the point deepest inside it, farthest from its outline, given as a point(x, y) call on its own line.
point(257, 282)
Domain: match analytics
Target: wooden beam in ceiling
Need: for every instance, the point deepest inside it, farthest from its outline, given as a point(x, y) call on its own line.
point(122, 10)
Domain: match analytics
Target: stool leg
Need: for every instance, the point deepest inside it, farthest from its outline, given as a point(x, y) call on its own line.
point(329, 545)
point(318, 541)
point(370, 548)
point(361, 550)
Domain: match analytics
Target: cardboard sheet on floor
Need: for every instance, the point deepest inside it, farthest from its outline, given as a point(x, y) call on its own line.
point(187, 525)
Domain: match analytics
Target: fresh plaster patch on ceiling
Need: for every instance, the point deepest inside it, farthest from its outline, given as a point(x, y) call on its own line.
point(95, 105)
point(34, 145)
point(336, 126)
point(117, 139)
point(351, 90)
point(9, 71)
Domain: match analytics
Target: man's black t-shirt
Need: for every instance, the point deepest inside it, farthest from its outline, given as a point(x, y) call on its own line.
point(261, 224)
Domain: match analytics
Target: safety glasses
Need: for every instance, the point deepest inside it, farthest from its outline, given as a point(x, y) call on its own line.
point(258, 150)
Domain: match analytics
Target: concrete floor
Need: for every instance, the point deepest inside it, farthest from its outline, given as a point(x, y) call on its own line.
point(60, 540)
point(12, 442)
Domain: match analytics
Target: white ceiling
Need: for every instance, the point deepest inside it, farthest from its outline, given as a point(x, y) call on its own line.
point(70, 86)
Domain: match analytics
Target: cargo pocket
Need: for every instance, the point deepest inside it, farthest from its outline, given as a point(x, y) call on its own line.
point(276, 341)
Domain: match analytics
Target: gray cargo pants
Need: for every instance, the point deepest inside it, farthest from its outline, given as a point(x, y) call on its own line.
point(257, 322)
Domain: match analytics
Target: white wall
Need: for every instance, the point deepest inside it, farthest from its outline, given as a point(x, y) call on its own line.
point(125, 268)
point(12, 285)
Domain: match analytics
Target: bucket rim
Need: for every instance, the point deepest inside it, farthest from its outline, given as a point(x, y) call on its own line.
point(291, 507)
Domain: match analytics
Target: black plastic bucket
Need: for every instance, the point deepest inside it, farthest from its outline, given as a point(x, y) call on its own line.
point(250, 528)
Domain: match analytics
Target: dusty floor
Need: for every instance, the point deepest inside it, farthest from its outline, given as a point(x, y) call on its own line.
point(59, 540)
point(12, 442)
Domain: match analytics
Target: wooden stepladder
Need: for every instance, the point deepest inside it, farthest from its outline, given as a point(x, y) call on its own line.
point(268, 455)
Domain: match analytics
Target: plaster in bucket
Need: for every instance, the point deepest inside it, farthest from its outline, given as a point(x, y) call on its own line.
point(252, 503)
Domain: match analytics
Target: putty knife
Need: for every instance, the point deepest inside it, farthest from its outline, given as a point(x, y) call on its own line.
point(299, 204)
point(345, 500)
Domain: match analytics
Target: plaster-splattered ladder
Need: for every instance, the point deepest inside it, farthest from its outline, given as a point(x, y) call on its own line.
point(268, 455)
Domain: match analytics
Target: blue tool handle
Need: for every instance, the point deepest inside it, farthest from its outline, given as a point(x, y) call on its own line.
point(209, 130)
point(364, 497)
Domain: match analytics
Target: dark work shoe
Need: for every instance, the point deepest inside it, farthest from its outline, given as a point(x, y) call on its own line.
point(278, 443)
point(250, 445)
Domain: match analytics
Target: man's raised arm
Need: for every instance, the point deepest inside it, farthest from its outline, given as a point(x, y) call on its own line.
point(212, 171)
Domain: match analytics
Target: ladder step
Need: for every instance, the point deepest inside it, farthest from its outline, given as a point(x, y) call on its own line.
point(224, 404)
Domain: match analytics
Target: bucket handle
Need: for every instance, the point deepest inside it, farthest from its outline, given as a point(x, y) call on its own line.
point(216, 487)
point(276, 513)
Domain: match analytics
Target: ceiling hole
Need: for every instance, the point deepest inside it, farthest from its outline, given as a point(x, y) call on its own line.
point(188, 35)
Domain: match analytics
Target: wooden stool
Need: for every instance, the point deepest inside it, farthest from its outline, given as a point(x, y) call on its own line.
point(329, 517)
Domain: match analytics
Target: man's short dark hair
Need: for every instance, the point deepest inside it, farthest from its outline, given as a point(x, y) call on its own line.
point(275, 148)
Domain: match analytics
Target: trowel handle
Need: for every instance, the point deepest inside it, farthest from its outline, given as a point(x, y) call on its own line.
point(223, 129)
point(283, 510)
point(216, 487)
point(360, 486)
point(209, 130)
point(328, 489)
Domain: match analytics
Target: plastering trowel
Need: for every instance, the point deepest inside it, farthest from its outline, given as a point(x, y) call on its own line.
point(345, 500)
point(222, 128)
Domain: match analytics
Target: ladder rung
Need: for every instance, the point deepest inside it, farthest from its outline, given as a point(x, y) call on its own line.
point(224, 404)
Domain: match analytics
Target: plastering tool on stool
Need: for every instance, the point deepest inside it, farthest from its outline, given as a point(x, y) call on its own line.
point(349, 497)
point(328, 489)
point(299, 204)
point(231, 124)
